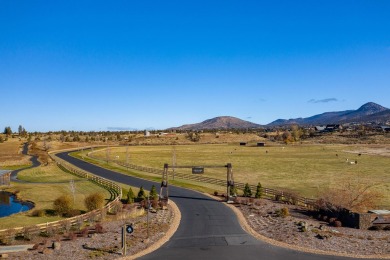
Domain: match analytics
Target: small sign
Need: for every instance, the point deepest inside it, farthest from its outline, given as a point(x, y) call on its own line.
point(197, 170)
point(129, 229)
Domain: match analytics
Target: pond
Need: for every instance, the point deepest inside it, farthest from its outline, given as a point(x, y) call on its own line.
point(9, 205)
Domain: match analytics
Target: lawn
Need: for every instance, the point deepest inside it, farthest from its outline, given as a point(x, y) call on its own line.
point(306, 169)
point(46, 183)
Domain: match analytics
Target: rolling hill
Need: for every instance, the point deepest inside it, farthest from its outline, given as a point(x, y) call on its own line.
point(222, 122)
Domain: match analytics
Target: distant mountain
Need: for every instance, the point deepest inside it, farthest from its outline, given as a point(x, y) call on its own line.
point(369, 112)
point(222, 122)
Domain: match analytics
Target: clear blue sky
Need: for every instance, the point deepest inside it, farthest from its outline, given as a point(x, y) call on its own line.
point(139, 64)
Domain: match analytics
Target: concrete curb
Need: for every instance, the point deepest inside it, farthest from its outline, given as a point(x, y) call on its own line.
point(16, 248)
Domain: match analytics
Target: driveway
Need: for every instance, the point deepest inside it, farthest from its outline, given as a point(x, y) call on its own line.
point(208, 229)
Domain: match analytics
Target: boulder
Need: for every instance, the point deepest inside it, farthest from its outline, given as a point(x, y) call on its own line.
point(56, 245)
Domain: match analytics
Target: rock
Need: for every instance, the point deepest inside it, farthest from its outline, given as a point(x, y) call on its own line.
point(56, 245)
point(323, 236)
point(47, 251)
point(323, 228)
point(93, 236)
point(303, 226)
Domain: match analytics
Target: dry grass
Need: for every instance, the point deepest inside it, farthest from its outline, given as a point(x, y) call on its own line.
point(306, 169)
point(11, 153)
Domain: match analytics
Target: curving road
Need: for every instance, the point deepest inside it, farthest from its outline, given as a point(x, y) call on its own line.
point(34, 163)
point(208, 229)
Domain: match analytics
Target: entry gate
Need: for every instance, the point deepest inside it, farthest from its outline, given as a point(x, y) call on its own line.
point(197, 170)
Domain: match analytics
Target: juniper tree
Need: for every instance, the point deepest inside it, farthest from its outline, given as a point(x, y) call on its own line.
point(153, 193)
point(141, 193)
point(247, 191)
point(130, 196)
point(258, 191)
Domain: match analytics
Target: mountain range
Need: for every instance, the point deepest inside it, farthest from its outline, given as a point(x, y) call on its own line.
point(369, 112)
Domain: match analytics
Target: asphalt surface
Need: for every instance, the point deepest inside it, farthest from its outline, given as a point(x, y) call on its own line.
point(34, 163)
point(208, 229)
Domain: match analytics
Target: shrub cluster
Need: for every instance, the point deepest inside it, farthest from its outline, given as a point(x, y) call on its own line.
point(94, 201)
point(63, 205)
point(283, 212)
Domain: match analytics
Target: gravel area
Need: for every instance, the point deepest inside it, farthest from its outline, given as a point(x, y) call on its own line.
point(107, 245)
point(300, 231)
point(261, 217)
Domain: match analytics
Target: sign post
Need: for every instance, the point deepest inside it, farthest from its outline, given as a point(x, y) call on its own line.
point(127, 228)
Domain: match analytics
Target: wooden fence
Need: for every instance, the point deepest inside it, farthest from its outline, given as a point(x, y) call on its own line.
point(66, 224)
point(266, 192)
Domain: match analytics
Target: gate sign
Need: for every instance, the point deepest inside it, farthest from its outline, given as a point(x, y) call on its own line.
point(129, 229)
point(197, 170)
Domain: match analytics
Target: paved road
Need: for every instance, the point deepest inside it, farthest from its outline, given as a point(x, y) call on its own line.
point(208, 229)
point(34, 163)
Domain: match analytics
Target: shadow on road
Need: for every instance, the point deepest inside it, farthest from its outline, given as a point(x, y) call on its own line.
point(192, 198)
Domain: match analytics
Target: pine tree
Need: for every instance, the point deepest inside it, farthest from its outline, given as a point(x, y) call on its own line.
point(141, 193)
point(7, 130)
point(258, 191)
point(130, 196)
point(153, 193)
point(247, 191)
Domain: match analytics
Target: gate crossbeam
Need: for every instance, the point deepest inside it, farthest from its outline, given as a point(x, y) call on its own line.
point(229, 178)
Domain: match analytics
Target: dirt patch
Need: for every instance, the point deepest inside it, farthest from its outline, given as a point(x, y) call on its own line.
point(381, 151)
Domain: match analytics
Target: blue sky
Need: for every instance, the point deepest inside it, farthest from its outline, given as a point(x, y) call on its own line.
point(140, 64)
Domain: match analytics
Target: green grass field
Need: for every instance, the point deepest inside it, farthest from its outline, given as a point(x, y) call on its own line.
point(45, 185)
point(306, 169)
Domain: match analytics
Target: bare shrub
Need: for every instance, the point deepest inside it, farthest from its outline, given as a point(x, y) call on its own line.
point(354, 196)
point(278, 197)
point(29, 233)
point(283, 212)
point(66, 225)
point(94, 201)
point(116, 207)
point(99, 228)
point(63, 205)
point(103, 214)
point(84, 232)
point(71, 236)
point(154, 203)
point(50, 231)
